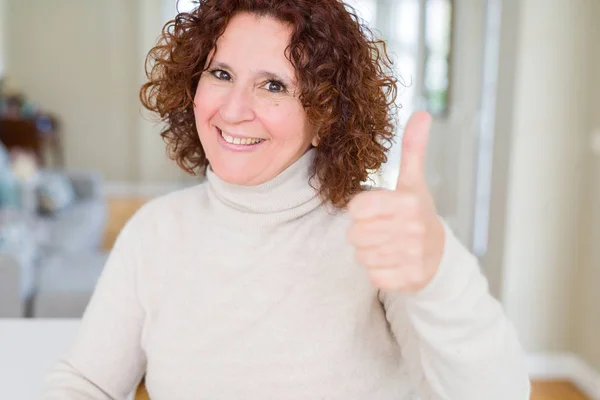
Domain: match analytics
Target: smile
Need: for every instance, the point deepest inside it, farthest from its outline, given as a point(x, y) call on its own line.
point(239, 141)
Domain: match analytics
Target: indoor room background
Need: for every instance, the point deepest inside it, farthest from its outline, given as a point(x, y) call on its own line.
point(513, 161)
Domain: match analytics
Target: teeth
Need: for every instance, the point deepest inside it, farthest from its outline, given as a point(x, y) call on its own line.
point(232, 140)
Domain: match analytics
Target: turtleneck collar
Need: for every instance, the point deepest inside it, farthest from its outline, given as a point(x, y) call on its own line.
point(288, 196)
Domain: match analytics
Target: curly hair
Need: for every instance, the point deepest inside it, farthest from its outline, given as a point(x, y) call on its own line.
point(346, 86)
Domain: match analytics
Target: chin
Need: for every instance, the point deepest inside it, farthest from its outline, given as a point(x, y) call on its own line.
point(236, 179)
point(236, 176)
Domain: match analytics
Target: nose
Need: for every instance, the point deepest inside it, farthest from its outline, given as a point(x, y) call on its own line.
point(237, 106)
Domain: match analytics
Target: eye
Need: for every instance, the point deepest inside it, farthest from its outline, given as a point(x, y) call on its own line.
point(221, 75)
point(275, 87)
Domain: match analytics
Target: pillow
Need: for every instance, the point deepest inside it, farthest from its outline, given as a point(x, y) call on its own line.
point(55, 192)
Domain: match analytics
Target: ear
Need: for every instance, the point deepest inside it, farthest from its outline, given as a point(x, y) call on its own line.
point(315, 136)
point(315, 140)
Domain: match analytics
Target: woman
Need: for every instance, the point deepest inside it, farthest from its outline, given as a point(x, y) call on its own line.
point(280, 277)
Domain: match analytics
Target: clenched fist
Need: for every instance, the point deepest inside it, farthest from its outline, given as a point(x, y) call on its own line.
point(397, 234)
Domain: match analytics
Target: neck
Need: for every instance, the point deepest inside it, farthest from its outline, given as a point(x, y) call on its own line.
point(288, 196)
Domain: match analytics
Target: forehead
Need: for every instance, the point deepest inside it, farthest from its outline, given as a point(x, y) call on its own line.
point(253, 38)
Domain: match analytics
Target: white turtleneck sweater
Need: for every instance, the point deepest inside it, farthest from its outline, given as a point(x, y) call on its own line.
point(231, 292)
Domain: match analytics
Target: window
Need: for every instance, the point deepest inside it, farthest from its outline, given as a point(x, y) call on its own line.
point(418, 36)
point(186, 5)
point(172, 7)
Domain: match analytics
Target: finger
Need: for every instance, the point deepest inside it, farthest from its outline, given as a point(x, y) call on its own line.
point(388, 278)
point(371, 232)
point(389, 255)
point(378, 257)
point(403, 279)
point(375, 204)
point(414, 149)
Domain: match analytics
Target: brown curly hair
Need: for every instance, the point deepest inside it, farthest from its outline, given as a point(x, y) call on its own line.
point(346, 85)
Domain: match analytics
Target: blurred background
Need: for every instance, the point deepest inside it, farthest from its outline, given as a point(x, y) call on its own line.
point(514, 87)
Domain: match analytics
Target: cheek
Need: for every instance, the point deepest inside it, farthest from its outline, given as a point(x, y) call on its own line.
point(285, 121)
point(204, 102)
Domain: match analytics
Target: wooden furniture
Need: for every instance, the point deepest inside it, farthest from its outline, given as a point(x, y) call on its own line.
point(141, 393)
point(25, 135)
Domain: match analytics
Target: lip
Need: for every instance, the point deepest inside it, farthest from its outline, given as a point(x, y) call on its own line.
point(241, 148)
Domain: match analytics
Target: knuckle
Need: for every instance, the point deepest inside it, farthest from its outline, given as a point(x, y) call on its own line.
point(412, 203)
point(370, 199)
point(418, 229)
point(417, 251)
point(360, 203)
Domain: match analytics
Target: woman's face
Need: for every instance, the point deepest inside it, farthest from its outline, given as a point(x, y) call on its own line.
point(250, 121)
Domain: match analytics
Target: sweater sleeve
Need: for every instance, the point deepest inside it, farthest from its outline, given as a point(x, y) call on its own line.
point(455, 338)
point(106, 360)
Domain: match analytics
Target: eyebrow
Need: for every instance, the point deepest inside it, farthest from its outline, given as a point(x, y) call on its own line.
point(262, 73)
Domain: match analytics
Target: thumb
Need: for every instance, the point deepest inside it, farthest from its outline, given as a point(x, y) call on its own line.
point(414, 149)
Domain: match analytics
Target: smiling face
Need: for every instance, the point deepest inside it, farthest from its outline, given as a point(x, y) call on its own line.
point(249, 119)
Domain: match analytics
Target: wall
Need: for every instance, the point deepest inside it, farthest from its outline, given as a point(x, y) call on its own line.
point(541, 133)
point(154, 165)
point(452, 150)
point(585, 310)
point(3, 19)
point(493, 260)
point(84, 62)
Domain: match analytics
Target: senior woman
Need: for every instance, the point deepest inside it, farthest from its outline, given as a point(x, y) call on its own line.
point(281, 276)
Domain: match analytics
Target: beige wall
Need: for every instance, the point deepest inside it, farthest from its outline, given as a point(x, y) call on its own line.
point(535, 228)
point(586, 312)
point(153, 164)
point(493, 261)
point(3, 19)
point(83, 61)
point(452, 151)
point(73, 58)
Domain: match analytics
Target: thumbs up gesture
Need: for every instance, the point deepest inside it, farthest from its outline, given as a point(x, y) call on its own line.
point(396, 233)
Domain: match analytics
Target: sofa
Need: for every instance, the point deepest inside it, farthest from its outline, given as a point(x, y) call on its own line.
point(81, 225)
point(31, 241)
point(18, 270)
point(65, 284)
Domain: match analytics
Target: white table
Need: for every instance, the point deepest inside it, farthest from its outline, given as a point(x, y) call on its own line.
point(28, 349)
